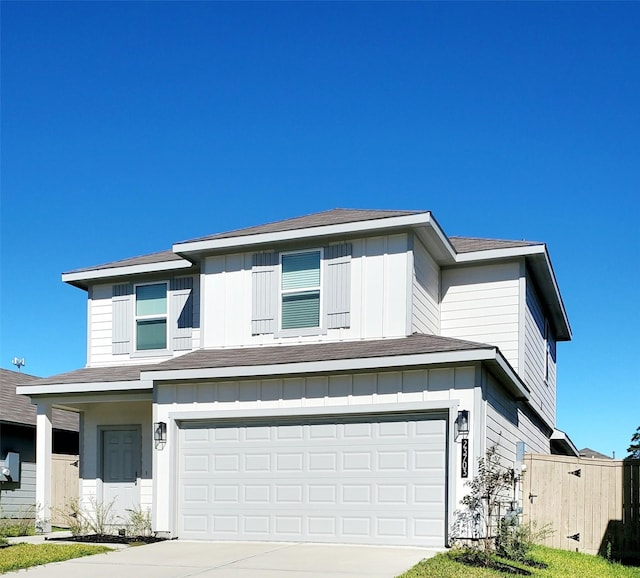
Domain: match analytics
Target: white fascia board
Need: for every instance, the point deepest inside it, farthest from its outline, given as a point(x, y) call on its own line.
point(128, 270)
point(331, 366)
point(443, 406)
point(492, 254)
point(69, 401)
point(300, 234)
point(86, 387)
point(556, 289)
point(519, 385)
point(442, 237)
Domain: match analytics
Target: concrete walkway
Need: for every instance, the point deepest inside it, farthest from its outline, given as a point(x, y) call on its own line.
point(183, 559)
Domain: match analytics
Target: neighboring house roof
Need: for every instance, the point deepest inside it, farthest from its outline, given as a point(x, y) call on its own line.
point(18, 408)
point(472, 244)
point(593, 454)
point(322, 219)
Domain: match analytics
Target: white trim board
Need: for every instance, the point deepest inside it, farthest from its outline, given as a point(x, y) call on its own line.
point(319, 411)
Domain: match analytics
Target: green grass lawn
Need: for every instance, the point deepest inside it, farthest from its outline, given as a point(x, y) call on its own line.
point(561, 564)
point(24, 555)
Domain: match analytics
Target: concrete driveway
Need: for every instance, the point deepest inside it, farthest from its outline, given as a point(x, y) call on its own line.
point(182, 559)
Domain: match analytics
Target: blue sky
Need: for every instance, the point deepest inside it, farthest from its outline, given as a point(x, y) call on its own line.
point(129, 126)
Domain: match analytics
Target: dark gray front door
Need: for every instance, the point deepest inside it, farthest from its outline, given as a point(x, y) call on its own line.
point(121, 470)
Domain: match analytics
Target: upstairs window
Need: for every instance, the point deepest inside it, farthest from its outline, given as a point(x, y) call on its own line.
point(151, 316)
point(300, 290)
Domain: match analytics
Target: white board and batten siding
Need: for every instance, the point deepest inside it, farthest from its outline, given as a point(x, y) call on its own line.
point(110, 324)
point(426, 291)
point(377, 285)
point(482, 304)
point(542, 385)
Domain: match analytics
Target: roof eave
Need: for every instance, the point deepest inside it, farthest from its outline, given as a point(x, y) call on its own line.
point(424, 219)
point(81, 279)
point(36, 391)
point(562, 439)
point(325, 366)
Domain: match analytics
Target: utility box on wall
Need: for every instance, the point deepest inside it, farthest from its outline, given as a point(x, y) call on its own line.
point(10, 468)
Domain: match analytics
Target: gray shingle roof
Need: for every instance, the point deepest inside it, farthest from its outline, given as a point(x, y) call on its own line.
point(18, 408)
point(593, 454)
point(159, 257)
point(275, 355)
point(324, 218)
point(271, 355)
point(470, 244)
point(95, 375)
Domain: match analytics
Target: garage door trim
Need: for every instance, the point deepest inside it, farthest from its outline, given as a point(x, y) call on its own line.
point(446, 410)
point(329, 411)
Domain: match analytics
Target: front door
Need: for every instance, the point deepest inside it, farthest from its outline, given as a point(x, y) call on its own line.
point(120, 471)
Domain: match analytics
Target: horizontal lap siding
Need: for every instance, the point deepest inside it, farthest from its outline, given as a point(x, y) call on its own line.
point(543, 394)
point(19, 502)
point(508, 423)
point(502, 420)
point(426, 289)
point(100, 325)
point(482, 304)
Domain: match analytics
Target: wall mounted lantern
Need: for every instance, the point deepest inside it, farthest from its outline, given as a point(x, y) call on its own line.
point(160, 434)
point(461, 427)
point(462, 423)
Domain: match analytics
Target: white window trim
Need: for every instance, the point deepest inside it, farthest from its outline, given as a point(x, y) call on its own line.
point(301, 331)
point(150, 352)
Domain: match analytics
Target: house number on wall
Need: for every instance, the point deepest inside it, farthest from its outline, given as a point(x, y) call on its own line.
point(464, 466)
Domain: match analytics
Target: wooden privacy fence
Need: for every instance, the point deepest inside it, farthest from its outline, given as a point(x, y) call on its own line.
point(64, 485)
point(592, 505)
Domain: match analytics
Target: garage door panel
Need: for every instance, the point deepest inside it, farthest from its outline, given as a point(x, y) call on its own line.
point(362, 481)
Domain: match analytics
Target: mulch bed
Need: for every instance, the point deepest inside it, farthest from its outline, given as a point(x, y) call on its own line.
point(108, 539)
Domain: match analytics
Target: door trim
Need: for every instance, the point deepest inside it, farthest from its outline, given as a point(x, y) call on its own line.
point(100, 453)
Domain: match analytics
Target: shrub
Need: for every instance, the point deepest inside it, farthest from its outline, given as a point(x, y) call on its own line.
point(514, 541)
point(23, 524)
point(481, 522)
point(138, 523)
point(99, 518)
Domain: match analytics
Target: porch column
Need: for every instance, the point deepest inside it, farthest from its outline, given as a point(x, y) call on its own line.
point(44, 438)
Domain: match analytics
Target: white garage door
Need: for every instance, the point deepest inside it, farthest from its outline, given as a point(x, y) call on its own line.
point(360, 481)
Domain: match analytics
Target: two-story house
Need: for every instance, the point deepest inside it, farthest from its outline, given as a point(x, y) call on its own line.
point(328, 378)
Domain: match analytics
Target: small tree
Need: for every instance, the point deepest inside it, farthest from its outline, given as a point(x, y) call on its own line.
point(489, 490)
point(634, 448)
